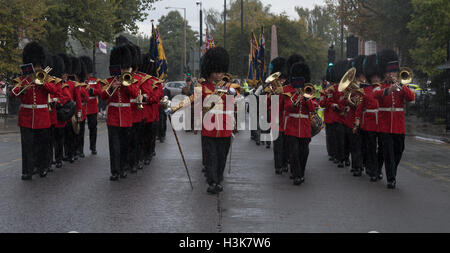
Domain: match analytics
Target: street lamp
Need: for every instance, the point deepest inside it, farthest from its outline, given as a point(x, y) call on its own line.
point(184, 54)
point(201, 30)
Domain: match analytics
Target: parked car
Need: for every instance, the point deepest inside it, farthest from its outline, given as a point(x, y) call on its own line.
point(175, 88)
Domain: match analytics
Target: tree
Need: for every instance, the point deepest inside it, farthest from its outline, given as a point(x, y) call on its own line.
point(171, 29)
point(90, 21)
point(292, 36)
point(430, 25)
point(23, 20)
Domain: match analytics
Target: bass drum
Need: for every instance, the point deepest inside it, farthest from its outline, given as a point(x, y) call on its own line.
point(316, 124)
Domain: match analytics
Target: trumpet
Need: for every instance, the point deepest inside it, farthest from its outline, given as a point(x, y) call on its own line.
point(307, 92)
point(42, 76)
point(406, 77)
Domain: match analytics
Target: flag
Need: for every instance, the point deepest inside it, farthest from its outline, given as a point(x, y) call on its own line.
point(157, 52)
point(102, 47)
point(261, 73)
point(209, 42)
point(253, 62)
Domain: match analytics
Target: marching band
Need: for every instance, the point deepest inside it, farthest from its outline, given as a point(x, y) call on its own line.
point(362, 98)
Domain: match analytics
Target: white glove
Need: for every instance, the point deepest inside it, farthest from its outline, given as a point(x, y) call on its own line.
point(258, 91)
point(168, 111)
point(232, 91)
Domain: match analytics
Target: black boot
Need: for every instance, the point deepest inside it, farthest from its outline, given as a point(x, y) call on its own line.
point(212, 189)
point(114, 177)
point(58, 165)
point(27, 177)
point(347, 163)
point(278, 171)
point(357, 172)
point(341, 164)
point(391, 185)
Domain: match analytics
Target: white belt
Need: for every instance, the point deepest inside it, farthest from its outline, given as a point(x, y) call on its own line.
point(221, 112)
point(92, 97)
point(34, 106)
point(298, 116)
point(371, 111)
point(391, 109)
point(134, 101)
point(120, 104)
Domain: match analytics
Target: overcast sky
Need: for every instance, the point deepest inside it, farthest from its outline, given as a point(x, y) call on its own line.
point(193, 11)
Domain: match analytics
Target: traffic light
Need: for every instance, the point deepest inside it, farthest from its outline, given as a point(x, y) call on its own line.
point(331, 54)
point(352, 47)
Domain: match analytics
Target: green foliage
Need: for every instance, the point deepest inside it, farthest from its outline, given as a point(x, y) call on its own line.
point(171, 29)
point(292, 36)
point(21, 19)
point(430, 25)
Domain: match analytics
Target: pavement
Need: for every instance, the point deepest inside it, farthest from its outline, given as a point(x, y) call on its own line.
point(79, 197)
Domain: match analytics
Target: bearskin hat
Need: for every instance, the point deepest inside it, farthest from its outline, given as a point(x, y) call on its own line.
point(121, 55)
point(36, 54)
point(341, 68)
point(67, 63)
point(300, 70)
point(76, 65)
point(215, 60)
point(88, 64)
point(138, 56)
point(278, 65)
point(148, 65)
point(49, 62)
point(371, 67)
point(58, 66)
point(295, 58)
point(122, 40)
point(133, 52)
point(331, 74)
point(358, 65)
point(388, 60)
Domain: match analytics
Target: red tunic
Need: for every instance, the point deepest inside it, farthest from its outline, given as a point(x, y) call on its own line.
point(391, 114)
point(138, 114)
point(33, 112)
point(81, 98)
point(298, 123)
point(119, 107)
point(367, 111)
point(92, 104)
point(151, 98)
point(212, 127)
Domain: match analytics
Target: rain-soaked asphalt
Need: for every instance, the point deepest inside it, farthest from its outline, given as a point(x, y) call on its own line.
point(80, 197)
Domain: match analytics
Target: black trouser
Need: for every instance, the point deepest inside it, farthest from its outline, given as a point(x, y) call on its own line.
point(339, 143)
point(369, 143)
point(34, 149)
point(203, 151)
point(329, 131)
point(92, 125)
point(380, 154)
point(299, 152)
point(153, 140)
point(141, 141)
point(162, 125)
point(216, 150)
point(118, 145)
point(347, 142)
point(356, 149)
point(279, 153)
point(69, 141)
point(393, 147)
point(136, 144)
point(80, 138)
point(59, 143)
point(51, 145)
point(148, 136)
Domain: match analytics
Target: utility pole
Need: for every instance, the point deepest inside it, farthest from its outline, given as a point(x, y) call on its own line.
point(225, 24)
point(242, 40)
point(93, 60)
point(342, 28)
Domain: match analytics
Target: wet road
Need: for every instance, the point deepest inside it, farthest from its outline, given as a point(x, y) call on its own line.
point(80, 197)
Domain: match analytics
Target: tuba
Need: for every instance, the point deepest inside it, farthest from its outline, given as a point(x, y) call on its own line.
point(350, 86)
point(275, 86)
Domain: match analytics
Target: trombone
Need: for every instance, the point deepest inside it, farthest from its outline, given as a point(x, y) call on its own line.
point(126, 79)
